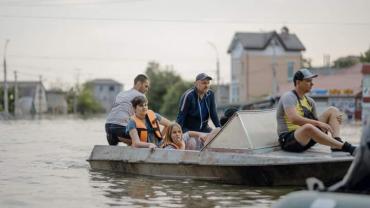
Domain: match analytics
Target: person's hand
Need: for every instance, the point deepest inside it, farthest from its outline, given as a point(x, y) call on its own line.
point(178, 141)
point(340, 118)
point(203, 137)
point(325, 127)
point(152, 146)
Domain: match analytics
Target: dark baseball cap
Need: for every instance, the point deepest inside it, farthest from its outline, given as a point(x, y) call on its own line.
point(304, 74)
point(202, 76)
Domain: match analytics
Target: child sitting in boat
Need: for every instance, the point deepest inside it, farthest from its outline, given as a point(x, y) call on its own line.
point(143, 126)
point(174, 138)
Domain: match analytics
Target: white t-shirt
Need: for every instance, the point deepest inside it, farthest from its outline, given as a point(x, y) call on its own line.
point(122, 108)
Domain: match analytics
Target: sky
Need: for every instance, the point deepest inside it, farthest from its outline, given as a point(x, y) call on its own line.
point(70, 41)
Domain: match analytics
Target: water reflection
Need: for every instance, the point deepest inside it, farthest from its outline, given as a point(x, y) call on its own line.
point(43, 164)
point(140, 191)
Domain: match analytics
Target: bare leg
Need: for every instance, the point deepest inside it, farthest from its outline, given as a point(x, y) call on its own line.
point(211, 135)
point(330, 116)
point(306, 132)
point(191, 144)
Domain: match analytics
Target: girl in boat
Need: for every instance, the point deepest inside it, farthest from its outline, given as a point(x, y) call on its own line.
point(174, 138)
point(143, 126)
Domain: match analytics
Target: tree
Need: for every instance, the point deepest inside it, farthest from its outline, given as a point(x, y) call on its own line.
point(344, 62)
point(70, 96)
point(172, 99)
point(86, 103)
point(365, 57)
point(10, 99)
point(161, 80)
point(306, 63)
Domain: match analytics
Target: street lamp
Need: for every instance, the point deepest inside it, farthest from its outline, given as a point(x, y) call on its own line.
point(6, 107)
point(217, 65)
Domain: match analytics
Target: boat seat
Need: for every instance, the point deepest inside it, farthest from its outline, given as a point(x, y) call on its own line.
point(248, 130)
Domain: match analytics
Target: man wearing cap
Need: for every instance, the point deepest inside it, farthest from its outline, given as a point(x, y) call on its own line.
point(299, 128)
point(197, 105)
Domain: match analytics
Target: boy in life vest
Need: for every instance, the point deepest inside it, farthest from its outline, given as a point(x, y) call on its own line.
point(143, 126)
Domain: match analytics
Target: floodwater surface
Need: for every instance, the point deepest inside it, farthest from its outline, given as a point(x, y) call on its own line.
point(43, 164)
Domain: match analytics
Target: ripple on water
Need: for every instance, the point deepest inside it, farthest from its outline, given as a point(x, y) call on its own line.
point(46, 161)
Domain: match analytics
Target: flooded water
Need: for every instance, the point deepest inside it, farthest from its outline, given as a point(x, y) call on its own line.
point(43, 164)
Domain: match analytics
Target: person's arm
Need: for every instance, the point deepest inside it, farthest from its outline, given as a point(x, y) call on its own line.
point(199, 135)
point(183, 110)
point(195, 134)
point(213, 112)
point(163, 121)
point(295, 118)
point(136, 142)
point(205, 137)
point(289, 101)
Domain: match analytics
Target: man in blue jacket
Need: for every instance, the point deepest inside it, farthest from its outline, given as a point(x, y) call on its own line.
point(197, 105)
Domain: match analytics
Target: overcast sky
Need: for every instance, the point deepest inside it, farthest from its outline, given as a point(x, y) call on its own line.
point(65, 39)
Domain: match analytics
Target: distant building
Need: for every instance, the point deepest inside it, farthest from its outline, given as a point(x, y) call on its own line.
point(57, 103)
point(31, 97)
point(105, 91)
point(222, 94)
point(255, 57)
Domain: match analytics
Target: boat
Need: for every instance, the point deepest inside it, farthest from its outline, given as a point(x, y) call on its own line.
point(245, 151)
point(352, 191)
point(312, 199)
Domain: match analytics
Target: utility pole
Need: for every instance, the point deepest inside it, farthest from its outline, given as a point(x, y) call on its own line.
point(40, 95)
point(217, 68)
point(77, 90)
point(6, 105)
point(273, 67)
point(16, 94)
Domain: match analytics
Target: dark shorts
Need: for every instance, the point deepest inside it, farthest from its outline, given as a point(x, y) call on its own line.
point(289, 143)
point(114, 131)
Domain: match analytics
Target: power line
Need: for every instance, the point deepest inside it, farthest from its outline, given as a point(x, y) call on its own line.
point(200, 21)
point(104, 59)
point(58, 4)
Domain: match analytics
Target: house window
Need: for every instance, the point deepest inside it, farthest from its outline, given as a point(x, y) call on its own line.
point(290, 71)
point(111, 88)
point(100, 88)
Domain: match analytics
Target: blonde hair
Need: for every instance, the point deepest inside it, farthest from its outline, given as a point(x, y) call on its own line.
point(167, 139)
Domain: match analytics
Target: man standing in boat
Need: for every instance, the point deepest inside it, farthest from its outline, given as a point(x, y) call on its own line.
point(299, 127)
point(115, 126)
point(197, 105)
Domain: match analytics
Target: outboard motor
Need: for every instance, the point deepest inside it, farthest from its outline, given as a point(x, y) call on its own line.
point(357, 179)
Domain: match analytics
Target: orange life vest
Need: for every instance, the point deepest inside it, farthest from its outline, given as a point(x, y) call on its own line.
point(141, 127)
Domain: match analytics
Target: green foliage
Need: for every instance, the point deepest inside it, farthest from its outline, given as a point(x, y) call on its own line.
point(84, 100)
point(70, 96)
point(11, 98)
point(86, 103)
point(161, 80)
point(306, 63)
point(172, 99)
point(344, 62)
point(365, 57)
